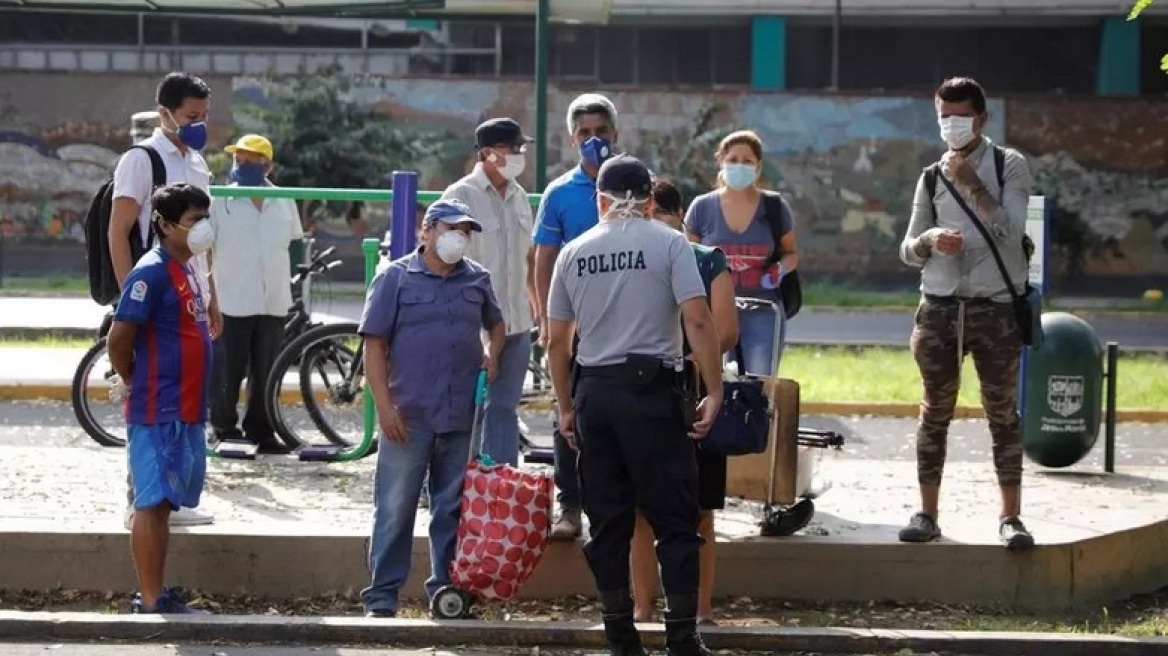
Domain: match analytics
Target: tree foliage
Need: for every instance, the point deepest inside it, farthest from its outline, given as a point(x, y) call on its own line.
point(324, 138)
point(1136, 10)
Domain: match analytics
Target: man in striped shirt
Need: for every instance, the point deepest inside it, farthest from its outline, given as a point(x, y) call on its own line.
point(160, 342)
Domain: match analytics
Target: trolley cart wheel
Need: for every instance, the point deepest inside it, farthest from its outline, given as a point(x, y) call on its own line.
point(450, 603)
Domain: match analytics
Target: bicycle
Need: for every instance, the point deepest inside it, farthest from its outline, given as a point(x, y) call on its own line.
point(99, 422)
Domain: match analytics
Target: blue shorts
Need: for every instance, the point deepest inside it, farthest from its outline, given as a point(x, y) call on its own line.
point(168, 463)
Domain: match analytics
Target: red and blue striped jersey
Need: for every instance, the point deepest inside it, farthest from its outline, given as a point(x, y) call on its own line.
point(172, 351)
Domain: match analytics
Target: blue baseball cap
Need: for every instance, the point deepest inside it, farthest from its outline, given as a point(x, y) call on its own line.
point(624, 173)
point(452, 212)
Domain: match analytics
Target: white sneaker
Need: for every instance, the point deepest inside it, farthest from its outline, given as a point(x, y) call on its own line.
point(181, 517)
point(191, 517)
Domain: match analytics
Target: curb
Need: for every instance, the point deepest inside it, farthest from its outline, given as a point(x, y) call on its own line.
point(64, 393)
point(15, 625)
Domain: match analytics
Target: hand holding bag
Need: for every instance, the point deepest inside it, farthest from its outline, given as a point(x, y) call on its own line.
point(1028, 303)
point(743, 424)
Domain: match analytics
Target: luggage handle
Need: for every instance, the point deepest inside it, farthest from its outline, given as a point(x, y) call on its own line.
point(476, 428)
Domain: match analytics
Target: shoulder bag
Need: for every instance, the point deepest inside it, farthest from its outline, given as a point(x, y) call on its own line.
point(1028, 302)
point(743, 424)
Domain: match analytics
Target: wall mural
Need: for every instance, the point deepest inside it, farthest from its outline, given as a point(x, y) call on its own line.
point(847, 164)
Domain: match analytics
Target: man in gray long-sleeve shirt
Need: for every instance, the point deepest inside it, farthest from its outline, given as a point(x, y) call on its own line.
point(966, 305)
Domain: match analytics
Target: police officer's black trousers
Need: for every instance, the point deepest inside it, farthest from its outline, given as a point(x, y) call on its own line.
point(635, 454)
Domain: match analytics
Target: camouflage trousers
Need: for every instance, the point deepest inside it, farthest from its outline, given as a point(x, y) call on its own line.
point(943, 333)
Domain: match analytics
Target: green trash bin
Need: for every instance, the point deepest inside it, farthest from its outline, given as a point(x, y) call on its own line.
point(1063, 392)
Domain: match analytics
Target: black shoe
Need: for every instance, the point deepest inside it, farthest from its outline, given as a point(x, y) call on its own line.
point(381, 613)
point(271, 447)
point(681, 627)
point(921, 528)
point(620, 631)
point(1014, 534)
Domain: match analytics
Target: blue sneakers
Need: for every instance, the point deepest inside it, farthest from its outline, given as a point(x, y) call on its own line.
point(170, 603)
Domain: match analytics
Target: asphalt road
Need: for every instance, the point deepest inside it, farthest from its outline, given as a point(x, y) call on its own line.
point(52, 425)
point(811, 326)
point(74, 649)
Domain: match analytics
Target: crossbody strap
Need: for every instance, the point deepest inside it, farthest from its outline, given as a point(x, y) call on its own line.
point(984, 232)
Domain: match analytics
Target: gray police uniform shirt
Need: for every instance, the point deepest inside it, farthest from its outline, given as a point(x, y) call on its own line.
point(622, 282)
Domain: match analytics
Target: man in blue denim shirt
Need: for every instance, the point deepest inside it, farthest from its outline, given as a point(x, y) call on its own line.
point(566, 211)
point(422, 322)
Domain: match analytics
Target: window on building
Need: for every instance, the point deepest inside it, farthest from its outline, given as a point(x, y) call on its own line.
point(618, 47)
point(573, 52)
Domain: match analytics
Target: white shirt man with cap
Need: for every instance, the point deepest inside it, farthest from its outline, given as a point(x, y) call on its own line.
point(504, 249)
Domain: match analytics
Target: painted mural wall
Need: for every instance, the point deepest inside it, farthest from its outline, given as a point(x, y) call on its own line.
point(848, 164)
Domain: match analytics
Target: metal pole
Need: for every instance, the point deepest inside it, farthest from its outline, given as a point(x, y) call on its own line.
point(541, 80)
point(1109, 421)
point(403, 239)
point(835, 45)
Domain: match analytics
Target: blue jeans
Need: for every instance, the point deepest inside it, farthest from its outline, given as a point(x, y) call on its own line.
point(397, 485)
point(762, 338)
point(501, 417)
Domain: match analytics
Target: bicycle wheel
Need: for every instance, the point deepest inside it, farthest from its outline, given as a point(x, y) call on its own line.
point(330, 352)
point(102, 419)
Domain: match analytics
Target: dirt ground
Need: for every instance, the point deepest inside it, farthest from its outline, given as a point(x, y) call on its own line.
point(1145, 615)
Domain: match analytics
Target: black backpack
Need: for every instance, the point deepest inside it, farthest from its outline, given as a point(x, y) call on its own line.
point(790, 288)
point(103, 284)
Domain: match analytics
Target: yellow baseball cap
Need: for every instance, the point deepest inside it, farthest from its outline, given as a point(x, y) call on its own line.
point(253, 143)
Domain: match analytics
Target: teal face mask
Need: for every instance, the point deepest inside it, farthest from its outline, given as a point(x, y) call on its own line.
point(739, 176)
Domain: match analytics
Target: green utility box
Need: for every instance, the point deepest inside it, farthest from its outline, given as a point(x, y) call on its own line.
point(1063, 390)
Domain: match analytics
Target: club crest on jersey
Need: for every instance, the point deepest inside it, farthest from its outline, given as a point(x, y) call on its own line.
point(138, 291)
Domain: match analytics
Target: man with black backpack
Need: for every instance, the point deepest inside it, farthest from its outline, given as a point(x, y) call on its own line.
point(169, 155)
point(967, 235)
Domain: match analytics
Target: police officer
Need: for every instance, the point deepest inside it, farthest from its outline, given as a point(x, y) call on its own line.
point(621, 286)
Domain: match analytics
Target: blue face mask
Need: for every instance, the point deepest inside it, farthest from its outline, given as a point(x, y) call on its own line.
point(193, 134)
point(248, 174)
point(595, 150)
point(739, 176)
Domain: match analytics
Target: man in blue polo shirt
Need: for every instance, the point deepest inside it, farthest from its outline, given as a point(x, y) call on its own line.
point(566, 211)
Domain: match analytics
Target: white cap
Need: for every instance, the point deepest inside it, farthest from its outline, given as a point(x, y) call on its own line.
point(590, 99)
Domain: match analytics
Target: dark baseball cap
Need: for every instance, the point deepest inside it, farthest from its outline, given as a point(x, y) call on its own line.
point(500, 131)
point(624, 173)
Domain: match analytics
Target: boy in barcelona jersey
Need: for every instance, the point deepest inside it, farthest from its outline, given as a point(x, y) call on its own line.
point(160, 343)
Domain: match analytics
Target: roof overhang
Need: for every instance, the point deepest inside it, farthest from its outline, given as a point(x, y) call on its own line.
point(354, 8)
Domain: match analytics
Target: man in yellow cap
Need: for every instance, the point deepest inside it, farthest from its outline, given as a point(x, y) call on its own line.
point(251, 265)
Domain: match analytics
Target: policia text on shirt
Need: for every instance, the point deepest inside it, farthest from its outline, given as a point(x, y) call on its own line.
point(621, 288)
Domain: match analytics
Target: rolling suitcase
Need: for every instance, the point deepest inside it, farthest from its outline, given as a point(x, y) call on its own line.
point(503, 528)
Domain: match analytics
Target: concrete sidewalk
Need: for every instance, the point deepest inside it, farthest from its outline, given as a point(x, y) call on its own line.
point(535, 636)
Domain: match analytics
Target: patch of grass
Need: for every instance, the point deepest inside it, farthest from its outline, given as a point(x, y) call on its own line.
point(52, 285)
point(842, 295)
point(890, 375)
point(46, 342)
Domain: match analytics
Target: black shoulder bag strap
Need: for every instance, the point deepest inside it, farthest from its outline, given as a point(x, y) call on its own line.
point(984, 233)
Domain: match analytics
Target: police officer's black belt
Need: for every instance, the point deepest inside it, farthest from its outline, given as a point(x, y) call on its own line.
point(955, 300)
point(635, 369)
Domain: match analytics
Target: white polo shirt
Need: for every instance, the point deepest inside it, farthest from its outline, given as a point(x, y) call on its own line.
point(250, 258)
point(502, 245)
point(134, 178)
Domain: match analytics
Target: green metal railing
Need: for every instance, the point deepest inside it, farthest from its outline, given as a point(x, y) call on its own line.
point(370, 249)
point(327, 194)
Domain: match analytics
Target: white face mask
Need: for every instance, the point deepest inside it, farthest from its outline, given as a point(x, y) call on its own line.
point(451, 246)
point(957, 131)
point(201, 237)
point(513, 166)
